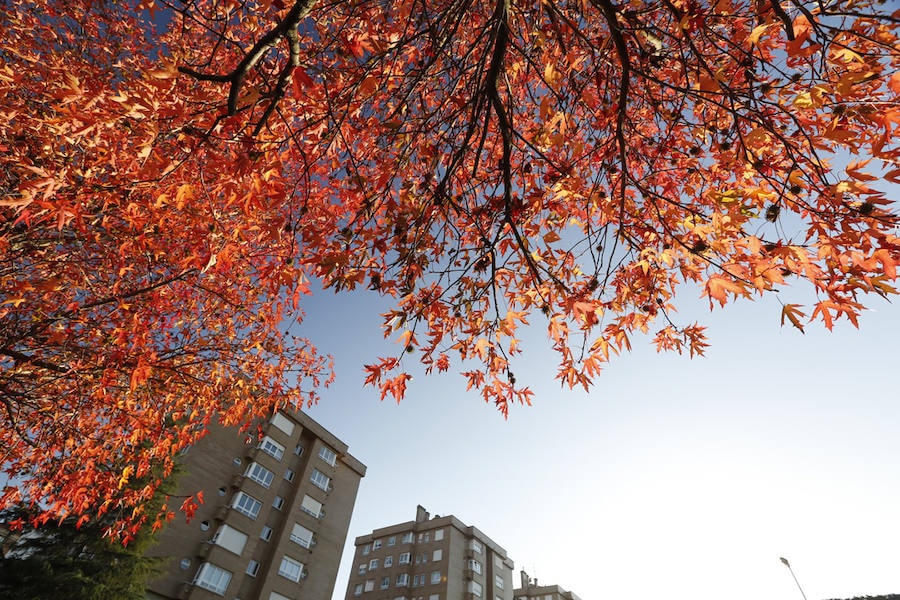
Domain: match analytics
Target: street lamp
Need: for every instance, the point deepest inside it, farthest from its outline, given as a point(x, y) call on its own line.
point(788, 565)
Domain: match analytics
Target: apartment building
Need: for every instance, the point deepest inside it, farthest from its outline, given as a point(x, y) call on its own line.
point(530, 590)
point(275, 518)
point(430, 558)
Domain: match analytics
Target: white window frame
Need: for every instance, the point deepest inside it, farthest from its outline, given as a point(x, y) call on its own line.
point(389, 561)
point(361, 570)
point(370, 585)
point(392, 541)
point(307, 499)
point(437, 555)
point(376, 545)
point(271, 447)
point(278, 503)
point(320, 480)
point(435, 577)
point(291, 569)
point(357, 589)
point(213, 578)
point(438, 535)
point(289, 475)
point(261, 475)
point(243, 498)
point(402, 580)
point(474, 565)
point(230, 538)
point(407, 538)
point(283, 423)
point(266, 533)
point(385, 582)
point(328, 455)
point(367, 549)
point(404, 559)
point(373, 564)
point(252, 568)
point(299, 536)
point(474, 588)
point(498, 581)
point(476, 546)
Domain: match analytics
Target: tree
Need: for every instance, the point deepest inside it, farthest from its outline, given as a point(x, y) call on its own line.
point(175, 174)
point(41, 562)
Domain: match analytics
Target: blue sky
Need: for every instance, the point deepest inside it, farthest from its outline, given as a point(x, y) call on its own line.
point(676, 478)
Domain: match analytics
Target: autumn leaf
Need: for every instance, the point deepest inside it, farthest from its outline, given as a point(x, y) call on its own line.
point(169, 190)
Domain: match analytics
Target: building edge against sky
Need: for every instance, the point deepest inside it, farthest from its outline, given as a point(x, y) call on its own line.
point(430, 558)
point(530, 590)
point(275, 519)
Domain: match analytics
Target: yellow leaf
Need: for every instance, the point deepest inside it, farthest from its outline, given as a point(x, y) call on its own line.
point(757, 33)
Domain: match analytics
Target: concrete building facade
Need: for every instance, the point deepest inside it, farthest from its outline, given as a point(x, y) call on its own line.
point(431, 558)
point(273, 526)
point(530, 590)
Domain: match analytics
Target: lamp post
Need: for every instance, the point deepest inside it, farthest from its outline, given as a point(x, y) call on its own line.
point(788, 565)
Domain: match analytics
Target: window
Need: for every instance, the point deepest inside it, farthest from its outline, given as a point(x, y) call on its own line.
point(266, 533)
point(373, 564)
point(328, 455)
point(301, 535)
point(438, 535)
point(278, 502)
point(425, 537)
point(320, 480)
point(475, 545)
point(388, 561)
point(290, 569)
point(277, 596)
point(474, 565)
point(362, 569)
point(271, 447)
point(298, 450)
point(260, 474)
point(435, 577)
point(289, 475)
point(230, 538)
point(367, 549)
point(498, 561)
point(392, 541)
point(376, 544)
point(312, 507)
point(498, 581)
point(474, 588)
point(407, 538)
point(252, 568)
point(246, 504)
point(357, 589)
point(404, 558)
point(437, 555)
point(402, 580)
point(434, 597)
point(370, 585)
point(385, 583)
point(418, 580)
point(212, 578)
point(283, 423)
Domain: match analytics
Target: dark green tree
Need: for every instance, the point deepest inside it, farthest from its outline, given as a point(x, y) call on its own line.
point(59, 558)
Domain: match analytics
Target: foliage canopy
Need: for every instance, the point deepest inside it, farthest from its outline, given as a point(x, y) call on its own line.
point(175, 173)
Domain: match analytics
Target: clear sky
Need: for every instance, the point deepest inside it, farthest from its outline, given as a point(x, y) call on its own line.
point(674, 478)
